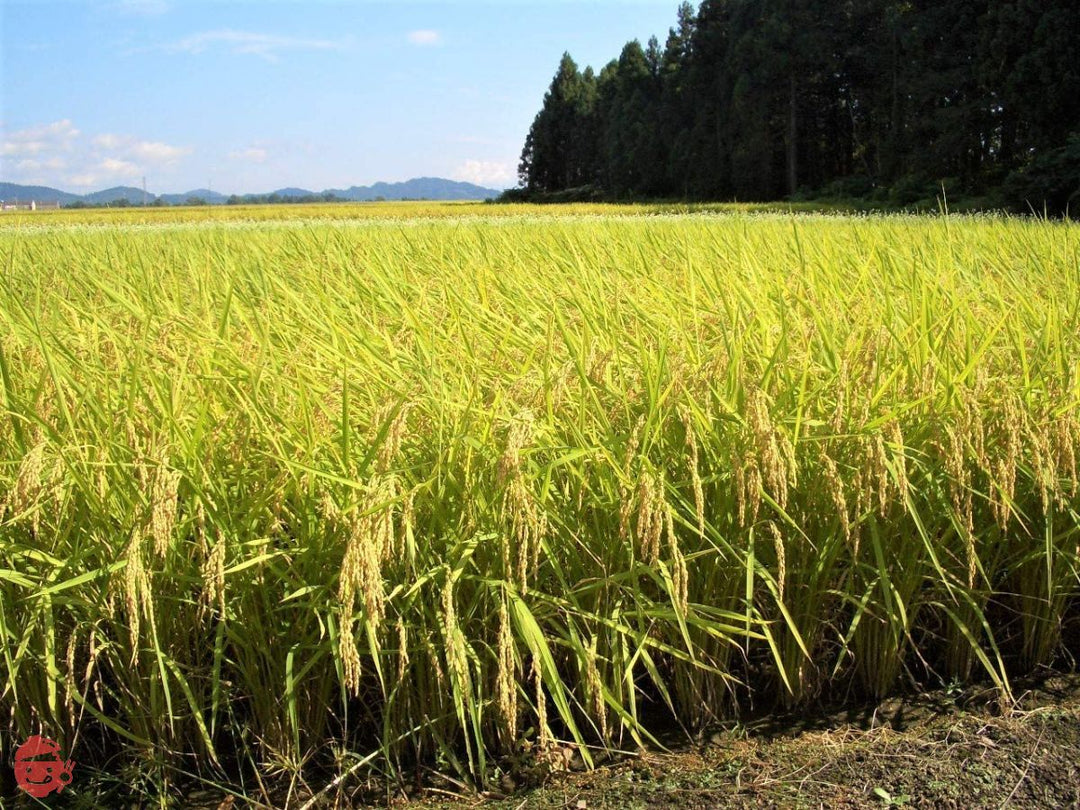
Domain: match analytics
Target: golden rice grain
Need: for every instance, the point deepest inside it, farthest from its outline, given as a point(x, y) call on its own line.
point(899, 457)
point(403, 650)
point(594, 687)
point(456, 657)
point(544, 737)
point(520, 510)
point(351, 666)
point(781, 559)
point(693, 463)
point(163, 504)
point(650, 516)
point(213, 576)
point(834, 484)
point(506, 677)
point(31, 482)
point(775, 460)
point(680, 577)
point(138, 595)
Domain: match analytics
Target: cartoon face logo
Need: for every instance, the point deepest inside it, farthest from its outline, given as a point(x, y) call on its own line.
point(39, 769)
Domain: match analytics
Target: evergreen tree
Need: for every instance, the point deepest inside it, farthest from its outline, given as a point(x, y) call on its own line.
point(759, 99)
point(678, 104)
point(557, 151)
point(709, 84)
point(628, 108)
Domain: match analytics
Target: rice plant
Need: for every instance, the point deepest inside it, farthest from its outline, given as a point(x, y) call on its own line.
point(446, 484)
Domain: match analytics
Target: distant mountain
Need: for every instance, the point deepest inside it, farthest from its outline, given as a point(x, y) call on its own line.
point(419, 188)
point(211, 197)
point(12, 192)
point(293, 192)
point(110, 195)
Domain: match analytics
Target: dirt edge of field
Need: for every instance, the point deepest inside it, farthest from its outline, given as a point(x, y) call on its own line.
point(939, 750)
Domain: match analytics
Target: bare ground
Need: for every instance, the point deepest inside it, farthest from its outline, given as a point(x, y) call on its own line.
point(935, 751)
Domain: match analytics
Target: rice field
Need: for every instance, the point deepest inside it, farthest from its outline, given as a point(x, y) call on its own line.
point(309, 491)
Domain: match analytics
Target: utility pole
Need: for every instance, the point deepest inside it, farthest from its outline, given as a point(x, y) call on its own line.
point(144, 191)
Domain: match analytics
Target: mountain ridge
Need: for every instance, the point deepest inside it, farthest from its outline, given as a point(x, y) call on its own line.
point(417, 188)
point(111, 195)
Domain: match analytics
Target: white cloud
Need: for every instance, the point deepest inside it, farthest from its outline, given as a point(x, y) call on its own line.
point(82, 180)
point(58, 154)
point(43, 138)
point(33, 165)
point(252, 154)
point(13, 149)
point(149, 152)
point(490, 173)
point(424, 36)
point(118, 168)
point(107, 141)
point(157, 152)
point(62, 130)
point(106, 172)
point(250, 42)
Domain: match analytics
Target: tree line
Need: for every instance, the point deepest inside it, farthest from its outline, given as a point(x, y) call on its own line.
point(766, 99)
point(275, 198)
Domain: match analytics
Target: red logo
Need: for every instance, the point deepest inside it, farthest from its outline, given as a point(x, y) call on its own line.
point(39, 769)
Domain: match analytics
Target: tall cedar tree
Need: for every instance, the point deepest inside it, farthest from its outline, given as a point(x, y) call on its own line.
point(761, 99)
point(560, 148)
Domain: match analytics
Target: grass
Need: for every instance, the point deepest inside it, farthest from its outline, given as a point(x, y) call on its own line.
point(360, 487)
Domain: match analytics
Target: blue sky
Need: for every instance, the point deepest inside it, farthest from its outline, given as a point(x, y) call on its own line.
point(252, 96)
